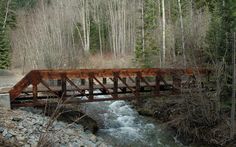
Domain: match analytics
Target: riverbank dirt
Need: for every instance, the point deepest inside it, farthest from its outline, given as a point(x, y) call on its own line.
point(192, 121)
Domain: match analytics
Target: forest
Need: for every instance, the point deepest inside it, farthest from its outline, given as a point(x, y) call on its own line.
point(76, 34)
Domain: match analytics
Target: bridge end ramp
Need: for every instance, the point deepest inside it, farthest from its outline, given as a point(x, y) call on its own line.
point(5, 101)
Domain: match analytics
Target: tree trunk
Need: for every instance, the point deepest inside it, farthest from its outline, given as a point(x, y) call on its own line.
point(143, 41)
point(86, 26)
point(163, 33)
point(232, 130)
point(6, 15)
point(191, 16)
point(182, 32)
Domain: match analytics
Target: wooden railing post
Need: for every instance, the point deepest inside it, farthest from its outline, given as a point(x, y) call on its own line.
point(157, 85)
point(91, 86)
point(104, 80)
point(82, 81)
point(115, 81)
point(124, 89)
point(58, 83)
point(176, 83)
point(35, 93)
point(63, 86)
point(137, 83)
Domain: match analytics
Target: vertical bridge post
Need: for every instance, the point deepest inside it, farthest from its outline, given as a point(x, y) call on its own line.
point(115, 81)
point(91, 75)
point(63, 85)
point(35, 89)
point(104, 81)
point(124, 89)
point(138, 87)
point(157, 84)
point(35, 93)
point(82, 81)
point(176, 82)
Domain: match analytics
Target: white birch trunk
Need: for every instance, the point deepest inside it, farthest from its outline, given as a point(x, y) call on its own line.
point(182, 32)
point(163, 33)
point(143, 40)
point(6, 15)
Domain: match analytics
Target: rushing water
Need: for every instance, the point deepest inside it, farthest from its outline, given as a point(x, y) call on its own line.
point(122, 126)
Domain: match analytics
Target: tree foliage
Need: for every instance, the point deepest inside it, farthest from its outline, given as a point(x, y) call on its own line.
point(7, 22)
point(147, 47)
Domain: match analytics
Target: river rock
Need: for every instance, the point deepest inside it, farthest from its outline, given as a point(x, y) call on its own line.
point(20, 127)
point(93, 138)
point(1, 129)
point(13, 133)
point(27, 145)
point(98, 143)
point(20, 138)
point(17, 119)
point(8, 136)
point(70, 131)
point(102, 145)
point(26, 128)
point(89, 143)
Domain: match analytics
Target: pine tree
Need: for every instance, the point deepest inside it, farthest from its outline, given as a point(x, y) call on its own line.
point(7, 21)
point(146, 54)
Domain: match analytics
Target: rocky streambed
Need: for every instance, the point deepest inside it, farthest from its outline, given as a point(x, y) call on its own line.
point(27, 129)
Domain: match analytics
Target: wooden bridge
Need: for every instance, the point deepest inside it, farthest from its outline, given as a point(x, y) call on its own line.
point(39, 87)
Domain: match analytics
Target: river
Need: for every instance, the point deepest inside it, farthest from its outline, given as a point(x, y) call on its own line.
point(121, 125)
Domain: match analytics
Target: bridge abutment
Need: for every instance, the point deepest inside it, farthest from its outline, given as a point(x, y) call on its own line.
point(5, 101)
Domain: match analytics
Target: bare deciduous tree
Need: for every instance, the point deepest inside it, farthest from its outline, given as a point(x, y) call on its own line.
point(182, 32)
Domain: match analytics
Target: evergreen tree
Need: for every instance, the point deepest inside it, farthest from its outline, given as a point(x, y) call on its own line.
point(146, 57)
point(7, 21)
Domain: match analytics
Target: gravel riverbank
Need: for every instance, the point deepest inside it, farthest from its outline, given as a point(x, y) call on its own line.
point(22, 128)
